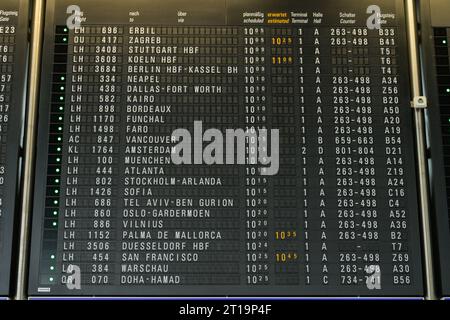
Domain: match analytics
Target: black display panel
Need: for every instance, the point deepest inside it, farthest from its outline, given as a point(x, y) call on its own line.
point(115, 216)
point(436, 36)
point(13, 49)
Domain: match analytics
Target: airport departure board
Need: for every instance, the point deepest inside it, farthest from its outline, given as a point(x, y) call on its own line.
point(13, 48)
point(225, 148)
point(436, 36)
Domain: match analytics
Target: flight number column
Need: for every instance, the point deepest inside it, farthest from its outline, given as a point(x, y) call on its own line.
point(90, 153)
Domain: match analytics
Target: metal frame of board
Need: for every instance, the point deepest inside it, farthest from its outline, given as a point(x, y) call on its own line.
point(31, 134)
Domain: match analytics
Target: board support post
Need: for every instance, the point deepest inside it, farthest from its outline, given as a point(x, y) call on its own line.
point(37, 30)
point(418, 103)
